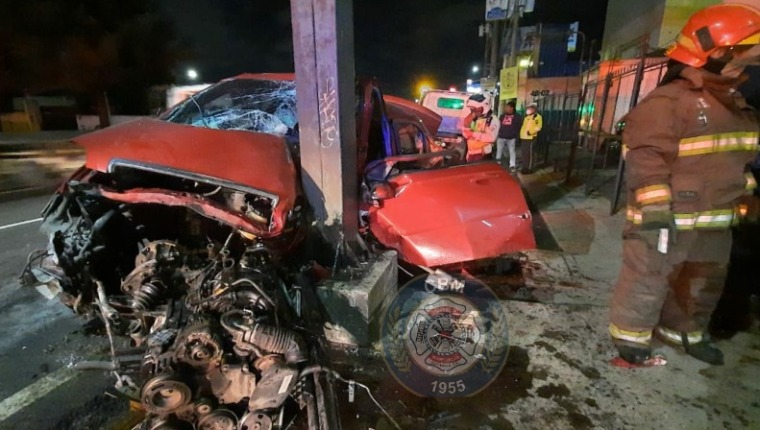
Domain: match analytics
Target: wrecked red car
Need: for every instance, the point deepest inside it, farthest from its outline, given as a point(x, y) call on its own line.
point(180, 234)
point(435, 211)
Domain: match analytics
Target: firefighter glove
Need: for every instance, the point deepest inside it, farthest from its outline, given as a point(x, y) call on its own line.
point(655, 217)
point(749, 208)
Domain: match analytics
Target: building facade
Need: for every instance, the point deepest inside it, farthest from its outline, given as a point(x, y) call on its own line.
point(651, 23)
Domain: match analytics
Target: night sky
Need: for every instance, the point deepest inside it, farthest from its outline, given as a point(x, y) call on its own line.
point(398, 41)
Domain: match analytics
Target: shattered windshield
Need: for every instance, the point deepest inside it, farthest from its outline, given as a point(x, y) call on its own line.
point(264, 106)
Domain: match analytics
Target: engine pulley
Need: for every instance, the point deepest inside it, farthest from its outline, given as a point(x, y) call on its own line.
point(173, 424)
point(220, 419)
point(164, 394)
point(256, 420)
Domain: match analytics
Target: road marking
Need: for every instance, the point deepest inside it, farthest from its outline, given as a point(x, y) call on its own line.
point(17, 224)
point(35, 391)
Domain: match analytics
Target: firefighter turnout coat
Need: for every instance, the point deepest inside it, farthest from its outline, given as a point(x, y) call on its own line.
point(687, 147)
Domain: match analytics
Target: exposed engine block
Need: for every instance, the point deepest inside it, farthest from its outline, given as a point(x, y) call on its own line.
point(216, 354)
point(212, 324)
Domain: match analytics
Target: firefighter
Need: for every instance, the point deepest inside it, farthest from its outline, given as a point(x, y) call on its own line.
point(688, 146)
point(734, 310)
point(479, 129)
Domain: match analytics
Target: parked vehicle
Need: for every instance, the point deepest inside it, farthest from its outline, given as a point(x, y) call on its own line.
point(179, 233)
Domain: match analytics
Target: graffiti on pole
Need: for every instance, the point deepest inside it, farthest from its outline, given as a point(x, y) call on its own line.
point(328, 114)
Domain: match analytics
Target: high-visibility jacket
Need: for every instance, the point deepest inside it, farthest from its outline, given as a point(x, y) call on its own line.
point(531, 125)
point(688, 145)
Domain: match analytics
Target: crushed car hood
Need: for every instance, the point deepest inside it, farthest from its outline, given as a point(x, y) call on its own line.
point(454, 215)
point(253, 160)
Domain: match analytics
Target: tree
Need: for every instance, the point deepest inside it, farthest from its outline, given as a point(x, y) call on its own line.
point(87, 47)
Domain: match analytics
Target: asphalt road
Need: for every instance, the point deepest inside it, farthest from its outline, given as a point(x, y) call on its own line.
point(40, 339)
point(557, 376)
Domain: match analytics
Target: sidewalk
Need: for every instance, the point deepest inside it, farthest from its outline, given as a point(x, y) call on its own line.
point(558, 373)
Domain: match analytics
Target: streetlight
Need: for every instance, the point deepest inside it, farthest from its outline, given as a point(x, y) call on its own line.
point(192, 74)
point(475, 69)
point(424, 85)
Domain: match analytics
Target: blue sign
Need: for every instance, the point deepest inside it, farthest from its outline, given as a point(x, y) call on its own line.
point(496, 9)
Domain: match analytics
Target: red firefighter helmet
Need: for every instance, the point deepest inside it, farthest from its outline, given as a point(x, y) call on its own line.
point(712, 28)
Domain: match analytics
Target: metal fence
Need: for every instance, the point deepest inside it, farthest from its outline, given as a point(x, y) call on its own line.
point(584, 137)
point(609, 94)
point(560, 116)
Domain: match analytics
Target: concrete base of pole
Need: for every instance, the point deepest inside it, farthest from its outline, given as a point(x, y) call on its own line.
point(355, 307)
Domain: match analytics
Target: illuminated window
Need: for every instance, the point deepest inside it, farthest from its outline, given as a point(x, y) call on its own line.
point(447, 103)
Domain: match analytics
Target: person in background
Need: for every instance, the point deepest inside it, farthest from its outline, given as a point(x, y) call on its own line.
point(689, 145)
point(531, 126)
point(509, 130)
point(734, 311)
point(479, 129)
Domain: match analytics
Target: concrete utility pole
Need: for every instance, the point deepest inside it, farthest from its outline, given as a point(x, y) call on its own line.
point(495, 45)
point(590, 58)
point(323, 42)
point(515, 21)
point(485, 30)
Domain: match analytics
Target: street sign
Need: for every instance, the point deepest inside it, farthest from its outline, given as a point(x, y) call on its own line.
point(508, 79)
point(502, 9)
point(572, 39)
point(496, 10)
point(488, 84)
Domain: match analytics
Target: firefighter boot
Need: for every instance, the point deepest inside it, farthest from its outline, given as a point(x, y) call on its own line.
point(701, 348)
point(632, 352)
point(703, 351)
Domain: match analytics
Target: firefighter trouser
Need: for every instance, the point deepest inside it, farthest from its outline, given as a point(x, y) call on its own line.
point(677, 291)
